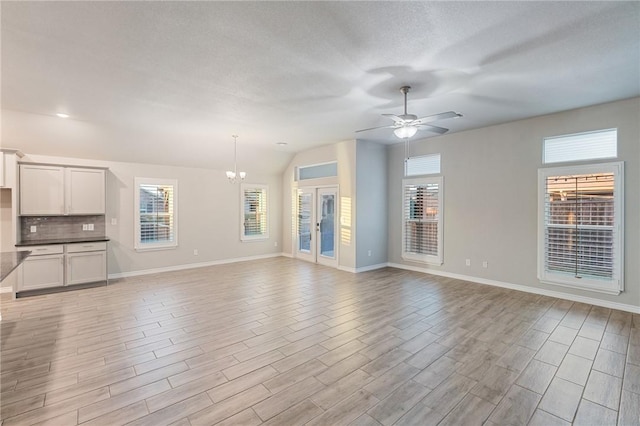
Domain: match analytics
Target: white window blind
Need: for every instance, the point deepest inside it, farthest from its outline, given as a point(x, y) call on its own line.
point(305, 227)
point(581, 146)
point(255, 224)
point(422, 220)
point(422, 165)
point(156, 217)
point(581, 226)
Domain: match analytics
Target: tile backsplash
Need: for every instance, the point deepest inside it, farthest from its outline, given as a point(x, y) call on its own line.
point(55, 227)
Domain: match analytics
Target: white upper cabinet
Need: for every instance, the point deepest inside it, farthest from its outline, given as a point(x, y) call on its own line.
point(41, 190)
point(57, 190)
point(85, 191)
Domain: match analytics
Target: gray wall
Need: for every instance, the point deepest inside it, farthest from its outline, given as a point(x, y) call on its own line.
point(490, 195)
point(208, 215)
point(371, 202)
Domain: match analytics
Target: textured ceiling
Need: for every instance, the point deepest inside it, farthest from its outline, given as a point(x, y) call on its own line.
point(169, 82)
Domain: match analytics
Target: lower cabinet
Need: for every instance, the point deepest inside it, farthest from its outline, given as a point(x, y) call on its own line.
point(42, 271)
point(63, 264)
point(86, 267)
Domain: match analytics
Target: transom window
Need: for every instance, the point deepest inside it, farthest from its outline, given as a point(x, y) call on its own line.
point(595, 145)
point(422, 165)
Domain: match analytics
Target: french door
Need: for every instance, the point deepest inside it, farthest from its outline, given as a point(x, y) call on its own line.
point(317, 215)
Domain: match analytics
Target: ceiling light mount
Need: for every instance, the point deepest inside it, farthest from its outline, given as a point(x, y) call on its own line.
point(233, 175)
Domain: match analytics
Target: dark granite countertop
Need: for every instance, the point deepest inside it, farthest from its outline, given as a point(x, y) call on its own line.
point(10, 260)
point(62, 241)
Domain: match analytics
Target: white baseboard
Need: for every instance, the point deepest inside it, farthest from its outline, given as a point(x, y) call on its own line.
point(191, 266)
point(6, 289)
point(363, 268)
point(478, 280)
point(526, 289)
point(289, 255)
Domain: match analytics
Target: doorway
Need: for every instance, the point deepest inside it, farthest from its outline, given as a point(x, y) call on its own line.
point(316, 227)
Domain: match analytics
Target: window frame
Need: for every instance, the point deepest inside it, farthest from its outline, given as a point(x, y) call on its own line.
point(143, 246)
point(438, 259)
point(265, 234)
point(616, 284)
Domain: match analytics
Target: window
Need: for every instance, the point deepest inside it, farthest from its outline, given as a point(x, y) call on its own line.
point(255, 224)
point(156, 213)
point(422, 220)
point(317, 171)
point(580, 226)
point(422, 165)
point(581, 146)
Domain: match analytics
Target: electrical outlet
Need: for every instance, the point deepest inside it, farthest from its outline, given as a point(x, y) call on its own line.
point(90, 227)
point(85, 227)
point(275, 244)
point(32, 228)
point(195, 252)
point(114, 221)
point(485, 264)
point(369, 253)
point(468, 262)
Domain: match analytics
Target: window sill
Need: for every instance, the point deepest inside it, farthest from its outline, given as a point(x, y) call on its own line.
point(423, 259)
point(255, 239)
point(613, 291)
point(155, 248)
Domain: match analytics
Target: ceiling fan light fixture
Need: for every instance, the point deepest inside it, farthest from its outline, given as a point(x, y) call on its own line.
point(405, 132)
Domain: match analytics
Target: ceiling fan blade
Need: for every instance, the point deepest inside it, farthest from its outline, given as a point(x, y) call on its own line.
point(434, 129)
point(376, 128)
point(395, 118)
point(436, 117)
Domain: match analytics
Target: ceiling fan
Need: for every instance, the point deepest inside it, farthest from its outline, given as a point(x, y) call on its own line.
point(406, 125)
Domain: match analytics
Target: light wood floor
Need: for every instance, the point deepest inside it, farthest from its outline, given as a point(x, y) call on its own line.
point(285, 342)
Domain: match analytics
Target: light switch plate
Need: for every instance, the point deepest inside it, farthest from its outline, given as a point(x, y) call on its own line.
point(90, 227)
point(84, 226)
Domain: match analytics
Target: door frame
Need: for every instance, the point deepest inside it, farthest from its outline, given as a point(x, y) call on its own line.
point(314, 256)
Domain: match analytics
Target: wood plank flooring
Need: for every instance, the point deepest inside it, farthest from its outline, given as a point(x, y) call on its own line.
point(284, 342)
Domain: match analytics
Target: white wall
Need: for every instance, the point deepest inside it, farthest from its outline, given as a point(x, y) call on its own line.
point(371, 204)
point(208, 215)
point(490, 195)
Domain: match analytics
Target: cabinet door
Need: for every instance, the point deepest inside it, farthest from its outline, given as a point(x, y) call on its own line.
point(87, 267)
point(42, 272)
point(41, 190)
point(85, 191)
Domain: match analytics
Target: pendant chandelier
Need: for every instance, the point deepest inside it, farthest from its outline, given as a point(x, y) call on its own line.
point(232, 175)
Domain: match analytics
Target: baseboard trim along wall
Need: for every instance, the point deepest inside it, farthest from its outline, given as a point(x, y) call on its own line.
point(477, 280)
point(363, 268)
point(540, 291)
point(5, 290)
point(191, 266)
